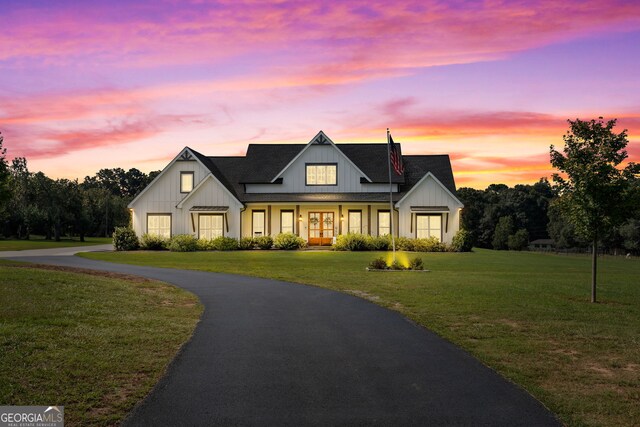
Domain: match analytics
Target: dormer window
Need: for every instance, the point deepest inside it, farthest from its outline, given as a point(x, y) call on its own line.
point(186, 182)
point(322, 174)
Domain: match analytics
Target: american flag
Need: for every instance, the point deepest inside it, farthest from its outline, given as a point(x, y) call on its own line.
point(396, 158)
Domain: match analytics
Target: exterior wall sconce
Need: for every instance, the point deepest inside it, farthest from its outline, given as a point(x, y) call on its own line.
point(300, 218)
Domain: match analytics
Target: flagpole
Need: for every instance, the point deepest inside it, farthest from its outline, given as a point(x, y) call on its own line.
point(393, 240)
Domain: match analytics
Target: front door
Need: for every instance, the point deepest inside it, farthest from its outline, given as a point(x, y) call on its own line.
point(320, 228)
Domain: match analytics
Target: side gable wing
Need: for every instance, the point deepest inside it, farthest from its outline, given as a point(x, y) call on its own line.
point(186, 154)
point(419, 184)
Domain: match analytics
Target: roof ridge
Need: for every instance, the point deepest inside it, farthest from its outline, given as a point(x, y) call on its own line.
point(227, 157)
point(425, 155)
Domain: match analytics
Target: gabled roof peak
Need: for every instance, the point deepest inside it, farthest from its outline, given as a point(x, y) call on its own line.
point(321, 139)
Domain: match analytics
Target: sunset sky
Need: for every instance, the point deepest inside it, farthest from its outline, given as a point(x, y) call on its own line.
point(102, 84)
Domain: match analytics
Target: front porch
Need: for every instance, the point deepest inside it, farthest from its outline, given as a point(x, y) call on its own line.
point(317, 223)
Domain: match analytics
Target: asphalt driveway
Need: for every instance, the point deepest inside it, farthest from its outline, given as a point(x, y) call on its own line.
point(274, 353)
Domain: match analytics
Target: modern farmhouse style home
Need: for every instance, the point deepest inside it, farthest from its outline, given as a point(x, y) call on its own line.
point(317, 190)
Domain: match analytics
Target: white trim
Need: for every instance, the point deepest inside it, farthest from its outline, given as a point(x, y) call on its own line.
point(200, 184)
point(185, 149)
point(427, 212)
point(428, 174)
point(310, 143)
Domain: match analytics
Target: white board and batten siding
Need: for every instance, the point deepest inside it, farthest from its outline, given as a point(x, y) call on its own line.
point(212, 193)
point(164, 195)
point(294, 177)
point(429, 192)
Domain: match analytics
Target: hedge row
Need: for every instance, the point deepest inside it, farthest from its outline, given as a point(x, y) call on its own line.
point(363, 242)
point(125, 239)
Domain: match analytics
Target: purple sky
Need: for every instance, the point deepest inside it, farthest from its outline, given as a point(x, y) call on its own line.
point(90, 85)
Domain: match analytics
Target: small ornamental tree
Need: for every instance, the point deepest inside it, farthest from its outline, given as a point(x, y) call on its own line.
point(519, 240)
point(593, 188)
point(503, 230)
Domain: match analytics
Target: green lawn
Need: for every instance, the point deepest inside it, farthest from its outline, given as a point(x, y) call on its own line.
point(37, 242)
point(526, 315)
point(94, 344)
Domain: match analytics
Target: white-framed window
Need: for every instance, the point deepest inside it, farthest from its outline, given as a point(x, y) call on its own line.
point(355, 221)
point(429, 226)
point(210, 226)
point(186, 182)
point(322, 174)
point(384, 223)
point(159, 225)
point(286, 221)
point(257, 223)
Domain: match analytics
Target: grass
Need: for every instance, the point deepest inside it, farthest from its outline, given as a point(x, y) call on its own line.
point(526, 315)
point(94, 344)
point(38, 242)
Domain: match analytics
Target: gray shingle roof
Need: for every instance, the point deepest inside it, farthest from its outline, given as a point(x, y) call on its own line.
point(416, 167)
point(215, 170)
point(264, 161)
point(372, 159)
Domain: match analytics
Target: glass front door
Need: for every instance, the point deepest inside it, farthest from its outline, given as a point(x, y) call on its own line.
point(320, 228)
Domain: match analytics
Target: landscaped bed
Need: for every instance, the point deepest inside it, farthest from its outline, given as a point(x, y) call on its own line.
point(527, 315)
point(95, 343)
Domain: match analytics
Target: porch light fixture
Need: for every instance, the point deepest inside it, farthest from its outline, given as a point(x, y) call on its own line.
point(300, 218)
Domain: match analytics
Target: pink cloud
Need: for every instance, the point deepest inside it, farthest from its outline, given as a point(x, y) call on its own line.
point(348, 39)
point(70, 105)
point(413, 121)
point(36, 142)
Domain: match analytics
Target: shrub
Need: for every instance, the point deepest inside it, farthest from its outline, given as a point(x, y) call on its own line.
point(416, 264)
point(462, 241)
point(289, 241)
point(405, 244)
point(219, 243)
point(246, 243)
point(222, 243)
point(351, 242)
point(183, 243)
point(125, 239)
point(153, 242)
point(378, 264)
point(397, 265)
point(429, 244)
point(205, 245)
point(519, 240)
point(379, 243)
point(264, 242)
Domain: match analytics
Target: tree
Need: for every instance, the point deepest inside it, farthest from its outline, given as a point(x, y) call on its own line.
point(592, 186)
point(473, 210)
point(503, 230)
point(560, 230)
point(519, 240)
point(5, 188)
point(18, 209)
point(5, 175)
point(630, 234)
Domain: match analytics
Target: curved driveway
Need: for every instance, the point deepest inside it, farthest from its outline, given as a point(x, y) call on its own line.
point(274, 353)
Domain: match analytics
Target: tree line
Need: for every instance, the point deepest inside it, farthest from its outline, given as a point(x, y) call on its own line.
point(34, 204)
point(502, 217)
